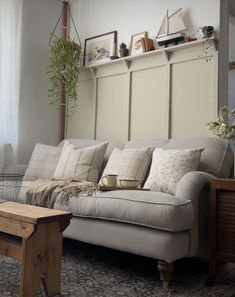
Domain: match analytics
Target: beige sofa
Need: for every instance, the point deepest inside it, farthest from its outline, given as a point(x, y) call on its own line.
point(152, 224)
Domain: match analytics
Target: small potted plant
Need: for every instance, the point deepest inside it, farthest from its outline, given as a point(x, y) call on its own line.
point(123, 50)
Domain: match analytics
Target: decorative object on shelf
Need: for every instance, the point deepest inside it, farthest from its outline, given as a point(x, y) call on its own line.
point(100, 48)
point(63, 68)
point(224, 127)
point(171, 29)
point(207, 31)
point(136, 45)
point(123, 50)
point(147, 44)
point(190, 39)
point(113, 57)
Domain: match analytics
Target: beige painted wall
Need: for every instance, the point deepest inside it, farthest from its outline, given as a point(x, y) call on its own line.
point(164, 93)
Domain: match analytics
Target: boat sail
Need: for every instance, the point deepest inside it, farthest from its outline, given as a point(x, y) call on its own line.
point(171, 29)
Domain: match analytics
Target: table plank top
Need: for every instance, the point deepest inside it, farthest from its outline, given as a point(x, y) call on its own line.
point(32, 214)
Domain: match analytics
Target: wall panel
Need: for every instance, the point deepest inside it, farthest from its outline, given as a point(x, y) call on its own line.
point(112, 108)
point(149, 103)
point(191, 98)
point(81, 124)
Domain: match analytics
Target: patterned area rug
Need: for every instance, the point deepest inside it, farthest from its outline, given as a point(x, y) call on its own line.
point(91, 271)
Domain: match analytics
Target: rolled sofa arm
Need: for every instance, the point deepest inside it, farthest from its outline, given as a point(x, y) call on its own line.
point(195, 186)
point(191, 185)
point(15, 168)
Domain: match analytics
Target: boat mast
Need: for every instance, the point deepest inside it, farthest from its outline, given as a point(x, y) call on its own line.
point(167, 22)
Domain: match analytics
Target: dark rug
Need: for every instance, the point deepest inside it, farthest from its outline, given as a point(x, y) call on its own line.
point(91, 271)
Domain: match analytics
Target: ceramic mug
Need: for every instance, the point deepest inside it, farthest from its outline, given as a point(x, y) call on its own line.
point(129, 183)
point(109, 180)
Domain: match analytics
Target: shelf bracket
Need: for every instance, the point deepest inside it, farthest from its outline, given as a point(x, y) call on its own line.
point(93, 70)
point(127, 63)
point(167, 55)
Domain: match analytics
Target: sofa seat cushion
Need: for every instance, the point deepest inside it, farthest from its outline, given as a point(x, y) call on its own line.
point(23, 189)
point(153, 209)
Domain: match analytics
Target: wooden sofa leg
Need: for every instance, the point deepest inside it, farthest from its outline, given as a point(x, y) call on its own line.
point(166, 270)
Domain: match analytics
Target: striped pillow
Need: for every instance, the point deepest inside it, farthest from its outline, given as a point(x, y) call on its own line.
point(129, 163)
point(43, 162)
point(84, 163)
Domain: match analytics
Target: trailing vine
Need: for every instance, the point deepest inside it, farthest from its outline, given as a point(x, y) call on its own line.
point(63, 69)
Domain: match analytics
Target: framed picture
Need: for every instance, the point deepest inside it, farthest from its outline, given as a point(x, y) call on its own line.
point(137, 47)
point(100, 48)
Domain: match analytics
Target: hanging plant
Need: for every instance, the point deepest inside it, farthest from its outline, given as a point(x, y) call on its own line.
point(63, 72)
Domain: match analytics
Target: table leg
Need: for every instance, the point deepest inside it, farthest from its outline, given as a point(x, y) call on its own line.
point(42, 259)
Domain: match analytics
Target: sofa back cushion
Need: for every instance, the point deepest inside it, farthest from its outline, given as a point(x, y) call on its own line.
point(130, 163)
point(43, 162)
point(169, 166)
point(216, 159)
point(84, 163)
point(89, 142)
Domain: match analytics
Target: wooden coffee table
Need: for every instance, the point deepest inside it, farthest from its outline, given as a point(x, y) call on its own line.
point(33, 236)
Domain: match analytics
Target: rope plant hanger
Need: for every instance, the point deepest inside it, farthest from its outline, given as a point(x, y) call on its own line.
point(64, 68)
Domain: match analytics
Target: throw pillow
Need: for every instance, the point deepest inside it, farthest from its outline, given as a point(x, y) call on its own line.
point(169, 166)
point(43, 162)
point(129, 163)
point(84, 163)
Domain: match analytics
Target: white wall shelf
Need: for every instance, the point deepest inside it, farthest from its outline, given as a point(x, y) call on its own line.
point(161, 51)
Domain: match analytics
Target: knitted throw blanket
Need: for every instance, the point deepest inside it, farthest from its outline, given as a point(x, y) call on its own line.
point(44, 192)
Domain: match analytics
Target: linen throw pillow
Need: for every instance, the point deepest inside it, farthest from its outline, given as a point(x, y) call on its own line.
point(84, 163)
point(169, 166)
point(129, 163)
point(43, 162)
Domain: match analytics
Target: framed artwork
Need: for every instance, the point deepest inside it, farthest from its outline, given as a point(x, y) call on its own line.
point(100, 48)
point(137, 47)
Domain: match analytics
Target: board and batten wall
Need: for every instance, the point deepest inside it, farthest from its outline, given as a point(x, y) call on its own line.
point(167, 93)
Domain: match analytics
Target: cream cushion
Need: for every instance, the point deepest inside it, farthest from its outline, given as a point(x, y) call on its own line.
point(151, 209)
point(43, 162)
point(84, 163)
point(130, 163)
point(169, 166)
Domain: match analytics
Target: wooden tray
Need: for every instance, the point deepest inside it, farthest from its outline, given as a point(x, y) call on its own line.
point(105, 188)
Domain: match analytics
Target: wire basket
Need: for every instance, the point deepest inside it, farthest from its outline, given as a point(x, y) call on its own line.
point(10, 184)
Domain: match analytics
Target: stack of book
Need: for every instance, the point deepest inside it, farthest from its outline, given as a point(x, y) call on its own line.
point(147, 44)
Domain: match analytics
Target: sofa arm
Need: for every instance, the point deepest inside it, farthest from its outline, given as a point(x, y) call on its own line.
point(195, 186)
point(15, 168)
point(191, 185)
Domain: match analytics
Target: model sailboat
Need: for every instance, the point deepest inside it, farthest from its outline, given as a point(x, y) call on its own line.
point(171, 29)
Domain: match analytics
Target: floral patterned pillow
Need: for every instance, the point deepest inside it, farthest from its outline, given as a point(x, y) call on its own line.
point(169, 166)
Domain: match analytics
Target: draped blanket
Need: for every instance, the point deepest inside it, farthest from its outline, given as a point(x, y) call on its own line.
point(44, 192)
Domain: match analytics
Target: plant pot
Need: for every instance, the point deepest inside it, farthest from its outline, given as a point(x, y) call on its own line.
point(207, 31)
point(123, 52)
